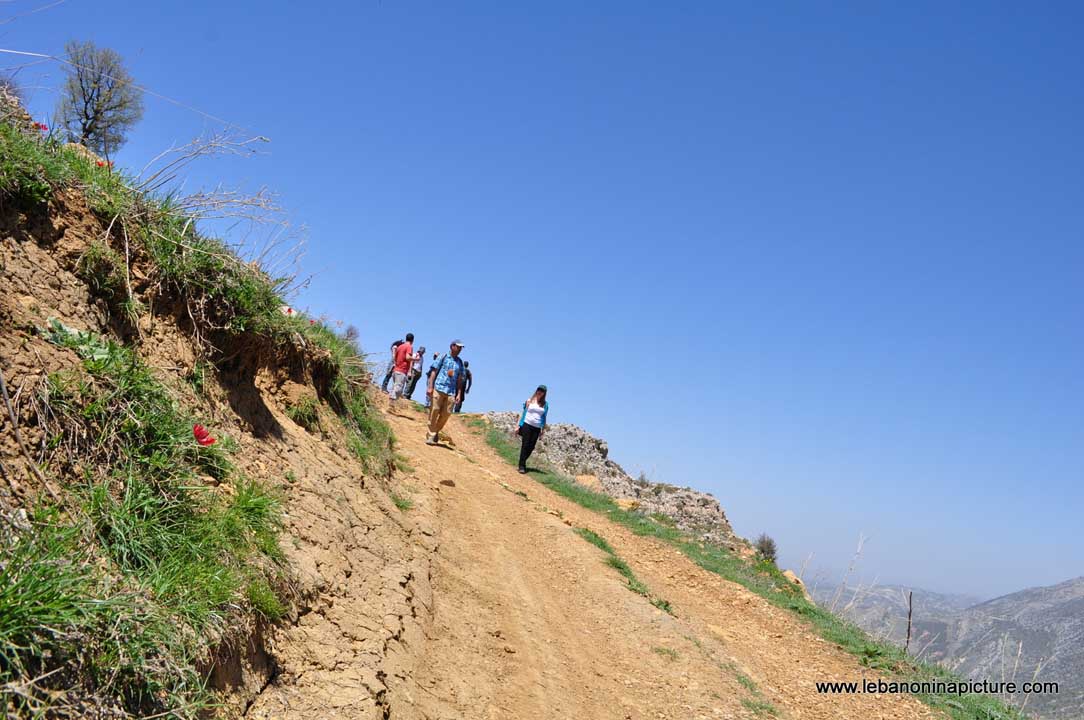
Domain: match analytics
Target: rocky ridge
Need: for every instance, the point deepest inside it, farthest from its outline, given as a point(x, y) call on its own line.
point(575, 452)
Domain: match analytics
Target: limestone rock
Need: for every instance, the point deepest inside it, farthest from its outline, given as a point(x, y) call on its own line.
point(573, 451)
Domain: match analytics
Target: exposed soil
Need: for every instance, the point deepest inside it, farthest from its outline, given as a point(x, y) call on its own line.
point(528, 622)
point(474, 602)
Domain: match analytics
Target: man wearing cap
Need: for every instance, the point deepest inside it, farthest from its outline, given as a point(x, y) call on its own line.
point(445, 389)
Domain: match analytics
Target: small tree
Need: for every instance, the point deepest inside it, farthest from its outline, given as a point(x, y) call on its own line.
point(99, 102)
point(765, 547)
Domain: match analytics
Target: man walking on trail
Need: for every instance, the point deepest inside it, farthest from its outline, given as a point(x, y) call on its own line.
point(404, 358)
point(391, 366)
point(415, 373)
point(467, 382)
point(445, 388)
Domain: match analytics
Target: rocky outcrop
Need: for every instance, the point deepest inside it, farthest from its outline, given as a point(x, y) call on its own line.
point(573, 451)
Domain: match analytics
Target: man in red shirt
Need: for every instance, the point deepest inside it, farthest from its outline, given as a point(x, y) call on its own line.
point(404, 358)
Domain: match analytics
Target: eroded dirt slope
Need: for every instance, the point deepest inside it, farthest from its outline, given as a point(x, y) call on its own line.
point(528, 622)
point(472, 597)
point(358, 588)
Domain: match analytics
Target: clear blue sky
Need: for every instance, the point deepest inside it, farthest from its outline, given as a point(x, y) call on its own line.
point(824, 262)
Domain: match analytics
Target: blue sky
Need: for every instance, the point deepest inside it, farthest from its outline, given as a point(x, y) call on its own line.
point(824, 262)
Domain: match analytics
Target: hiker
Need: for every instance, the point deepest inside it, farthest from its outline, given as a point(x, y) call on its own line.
point(415, 372)
point(532, 425)
point(404, 358)
point(391, 366)
point(445, 388)
point(467, 382)
point(429, 377)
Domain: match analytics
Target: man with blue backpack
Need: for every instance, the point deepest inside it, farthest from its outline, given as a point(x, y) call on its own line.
point(444, 390)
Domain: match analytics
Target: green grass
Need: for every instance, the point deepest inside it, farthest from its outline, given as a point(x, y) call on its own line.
point(102, 268)
point(216, 291)
point(197, 377)
point(632, 582)
point(663, 605)
point(595, 539)
point(668, 653)
point(163, 544)
point(760, 707)
point(305, 412)
point(402, 464)
point(766, 580)
point(171, 562)
point(401, 502)
point(746, 682)
point(29, 168)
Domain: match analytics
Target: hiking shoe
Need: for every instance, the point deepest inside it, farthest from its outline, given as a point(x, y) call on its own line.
point(523, 471)
point(430, 440)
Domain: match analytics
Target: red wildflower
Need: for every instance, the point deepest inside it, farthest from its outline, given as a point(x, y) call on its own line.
point(101, 163)
point(312, 322)
point(202, 436)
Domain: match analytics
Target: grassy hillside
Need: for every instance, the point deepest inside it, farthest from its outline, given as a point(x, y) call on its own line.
point(131, 552)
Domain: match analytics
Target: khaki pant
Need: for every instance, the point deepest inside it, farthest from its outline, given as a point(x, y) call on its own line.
point(439, 412)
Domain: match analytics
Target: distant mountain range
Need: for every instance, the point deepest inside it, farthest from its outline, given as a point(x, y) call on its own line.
point(1032, 634)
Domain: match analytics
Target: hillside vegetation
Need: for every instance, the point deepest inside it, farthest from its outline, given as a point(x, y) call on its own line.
point(132, 554)
point(200, 514)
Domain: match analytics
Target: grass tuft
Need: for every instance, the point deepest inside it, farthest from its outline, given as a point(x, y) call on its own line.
point(668, 653)
point(632, 582)
point(401, 502)
point(182, 544)
point(305, 412)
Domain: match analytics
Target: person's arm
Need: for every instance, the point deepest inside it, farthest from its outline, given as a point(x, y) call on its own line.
point(460, 381)
point(523, 415)
point(470, 382)
point(542, 430)
point(431, 380)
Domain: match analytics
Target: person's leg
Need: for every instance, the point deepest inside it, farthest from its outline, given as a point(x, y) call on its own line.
point(387, 376)
point(412, 384)
point(530, 437)
point(431, 403)
point(438, 415)
point(398, 382)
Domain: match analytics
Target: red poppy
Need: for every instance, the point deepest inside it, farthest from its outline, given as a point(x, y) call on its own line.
point(202, 436)
point(312, 322)
point(101, 164)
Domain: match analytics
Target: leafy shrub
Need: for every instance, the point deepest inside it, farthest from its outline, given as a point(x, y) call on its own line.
point(765, 548)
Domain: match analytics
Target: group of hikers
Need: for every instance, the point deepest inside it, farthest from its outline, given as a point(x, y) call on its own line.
point(448, 381)
point(405, 369)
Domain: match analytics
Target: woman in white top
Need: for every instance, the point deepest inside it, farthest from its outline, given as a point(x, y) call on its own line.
point(532, 424)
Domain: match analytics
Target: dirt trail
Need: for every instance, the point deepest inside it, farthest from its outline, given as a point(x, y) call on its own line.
point(528, 622)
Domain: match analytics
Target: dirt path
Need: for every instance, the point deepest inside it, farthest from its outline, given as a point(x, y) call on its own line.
point(528, 622)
